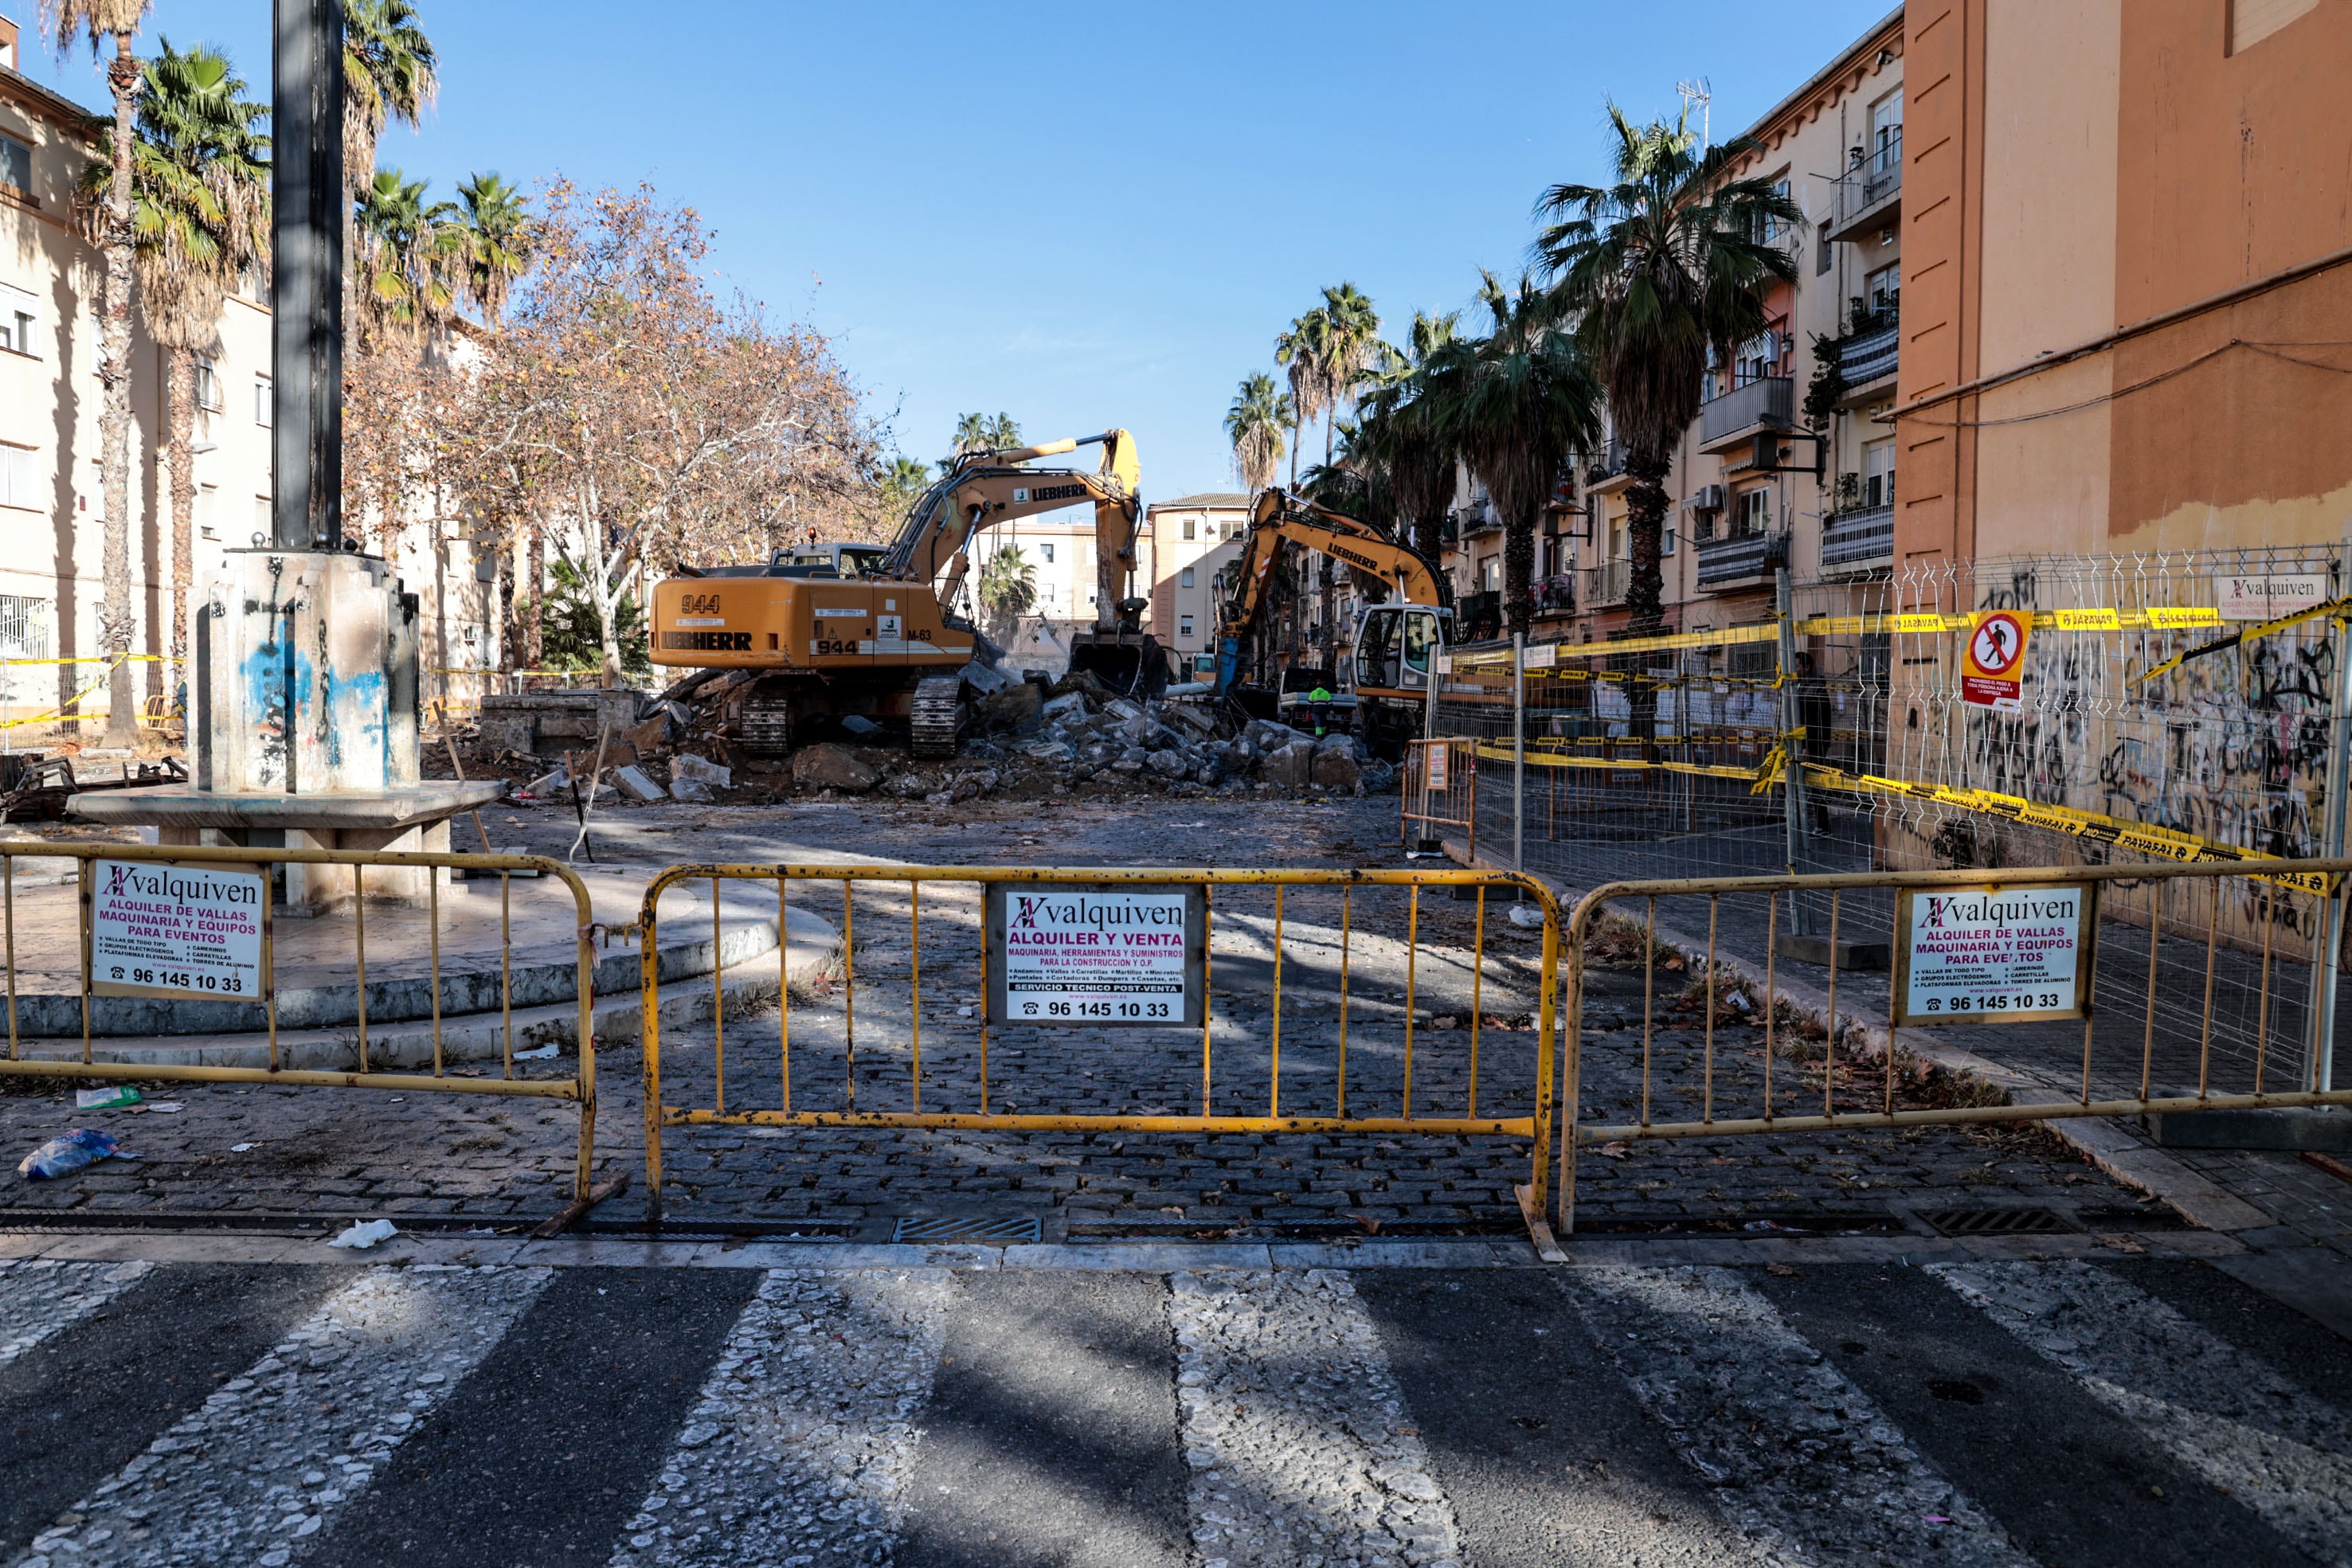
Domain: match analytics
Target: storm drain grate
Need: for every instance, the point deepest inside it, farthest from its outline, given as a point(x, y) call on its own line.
point(977, 1229)
point(1994, 1222)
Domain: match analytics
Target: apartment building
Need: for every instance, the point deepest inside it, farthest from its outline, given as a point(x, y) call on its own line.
point(1187, 545)
point(1058, 548)
point(2129, 233)
point(1790, 460)
point(52, 523)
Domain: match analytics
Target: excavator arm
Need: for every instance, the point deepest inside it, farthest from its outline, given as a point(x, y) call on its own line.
point(985, 489)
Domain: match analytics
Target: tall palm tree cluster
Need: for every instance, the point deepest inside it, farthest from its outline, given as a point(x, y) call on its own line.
point(1634, 288)
point(179, 206)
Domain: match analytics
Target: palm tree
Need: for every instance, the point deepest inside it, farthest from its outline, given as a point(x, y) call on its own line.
point(981, 433)
point(1398, 434)
point(1354, 332)
point(1255, 422)
point(98, 21)
point(1007, 591)
point(1517, 404)
point(201, 213)
point(390, 73)
point(499, 241)
point(902, 484)
point(411, 257)
point(1302, 351)
point(1657, 270)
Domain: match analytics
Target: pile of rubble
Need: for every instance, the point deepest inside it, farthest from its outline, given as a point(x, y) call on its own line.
point(1087, 733)
point(1027, 737)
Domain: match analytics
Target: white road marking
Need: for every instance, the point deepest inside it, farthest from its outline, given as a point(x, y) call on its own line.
point(39, 1296)
point(2230, 1416)
point(799, 1450)
point(1300, 1445)
point(253, 1476)
point(1798, 1457)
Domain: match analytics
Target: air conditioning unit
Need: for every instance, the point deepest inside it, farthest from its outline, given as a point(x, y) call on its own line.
point(1710, 499)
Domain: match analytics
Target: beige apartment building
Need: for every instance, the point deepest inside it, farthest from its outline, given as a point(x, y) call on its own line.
point(52, 521)
point(1188, 544)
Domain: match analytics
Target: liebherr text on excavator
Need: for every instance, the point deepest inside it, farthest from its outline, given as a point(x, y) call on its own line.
point(829, 631)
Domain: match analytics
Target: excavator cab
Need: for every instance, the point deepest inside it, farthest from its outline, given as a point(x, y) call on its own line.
point(1396, 644)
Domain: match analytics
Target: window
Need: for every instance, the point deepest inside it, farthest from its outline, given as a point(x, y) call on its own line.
point(1188, 576)
point(265, 526)
point(16, 164)
point(208, 390)
point(19, 482)
point(1046, 552)
point(1878, 473)
point(1190, 525)
point(17, 319)
point(208, 511)
point(24, 627)
point(1183, 625)
point(1759, 357)
point(1490, 574)
point(1751, 511)
point(1887, 133)
point(1883, 289)
point(2252, 21)
point(1666, 536)
point(1775, 227)
point(265, 402)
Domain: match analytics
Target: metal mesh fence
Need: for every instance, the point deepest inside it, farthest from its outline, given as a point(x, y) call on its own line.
point(1662, 758)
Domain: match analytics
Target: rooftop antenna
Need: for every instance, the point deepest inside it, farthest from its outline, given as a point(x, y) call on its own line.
point(1698, 92)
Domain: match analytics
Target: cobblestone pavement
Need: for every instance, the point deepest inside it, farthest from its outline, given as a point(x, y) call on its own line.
point(1997, 1409)
point(258, 1148)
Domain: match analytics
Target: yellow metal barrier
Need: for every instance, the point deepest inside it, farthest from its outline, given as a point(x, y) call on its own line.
point(971, 1026)
point(2200, 999)
point(97, 1061)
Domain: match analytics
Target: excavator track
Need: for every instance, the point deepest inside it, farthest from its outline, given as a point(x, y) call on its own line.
point(764, 725)
point(938, 716)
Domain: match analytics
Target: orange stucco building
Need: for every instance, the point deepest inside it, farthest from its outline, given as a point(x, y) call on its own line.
point(2127, 249)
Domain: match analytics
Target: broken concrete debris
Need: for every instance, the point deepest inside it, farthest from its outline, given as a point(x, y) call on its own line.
point(1024, 736)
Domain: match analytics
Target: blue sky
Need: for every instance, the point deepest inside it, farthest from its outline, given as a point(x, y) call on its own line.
point(1082, 216)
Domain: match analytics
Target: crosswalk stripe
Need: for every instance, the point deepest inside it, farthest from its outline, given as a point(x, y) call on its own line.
point(256, 1472)
point(39, 1296)
point(1298, 1435)
point(2230, 1416)
point(799, 1448)
point(1801, 1459)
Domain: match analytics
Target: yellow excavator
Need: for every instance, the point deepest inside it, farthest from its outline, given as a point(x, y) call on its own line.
point(1397, 641)
point(841, 629)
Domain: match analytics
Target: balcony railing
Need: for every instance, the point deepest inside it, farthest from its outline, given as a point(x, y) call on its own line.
point(1869, 188)
point(1478, 520)
point(1603, 584)
point(1858, 540)
point(1606, 466)
point(1762, 404)
point(1867, 357)
point(1479, 615)
point(1555, 595)
point(1739, 557)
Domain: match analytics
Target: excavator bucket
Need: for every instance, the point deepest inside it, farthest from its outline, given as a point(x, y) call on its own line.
point(1132, 663)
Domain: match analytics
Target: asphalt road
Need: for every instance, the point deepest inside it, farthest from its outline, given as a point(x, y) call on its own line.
point(2138, 1411)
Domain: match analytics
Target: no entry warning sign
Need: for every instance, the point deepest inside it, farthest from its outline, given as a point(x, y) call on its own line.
point(1099, 954)
point(159, 930)
point(1994, 674)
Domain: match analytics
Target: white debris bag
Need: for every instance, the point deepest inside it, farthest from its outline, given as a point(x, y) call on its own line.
point(366, 1234)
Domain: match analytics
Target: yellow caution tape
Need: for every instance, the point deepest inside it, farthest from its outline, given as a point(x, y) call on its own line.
point(2248, 634)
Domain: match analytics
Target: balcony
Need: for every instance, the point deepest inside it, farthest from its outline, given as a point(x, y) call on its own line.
point(1859, 540)
point(1479, 616)
point(1607, 474)
point(1476, 520)
point(1603, 584)
point(1555, 595)
point(1870, 197)
point(1745, 412)
point(1740, 560)
point(1867, 357)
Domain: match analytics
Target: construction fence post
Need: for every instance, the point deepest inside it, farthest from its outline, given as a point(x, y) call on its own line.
point(2320, 1069)
point(1792, 769)
point(1519, 744)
